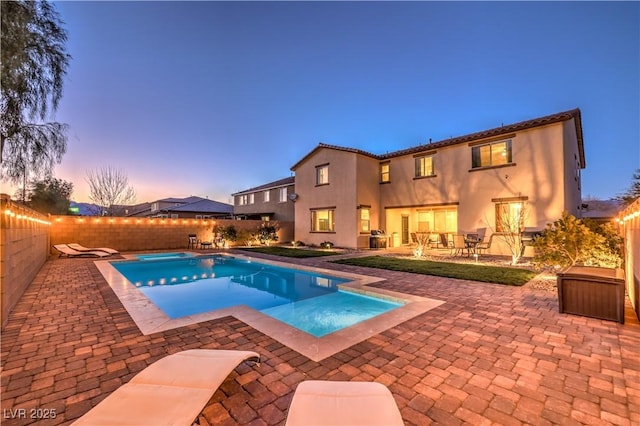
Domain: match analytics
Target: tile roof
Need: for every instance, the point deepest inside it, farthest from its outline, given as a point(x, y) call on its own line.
point(497, 131)
point(275, 184)
point(203, 205)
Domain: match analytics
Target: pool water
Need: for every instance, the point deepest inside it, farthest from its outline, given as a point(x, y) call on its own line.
point(156, 256)
point(308, 301)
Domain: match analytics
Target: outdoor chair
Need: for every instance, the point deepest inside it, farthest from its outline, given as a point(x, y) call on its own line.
point(193, 241)
point(65, 250)
point(459, 245)
point(79, 247)
point(482, 246)
point(444, 240)
point(321, 403)
point(171, 391)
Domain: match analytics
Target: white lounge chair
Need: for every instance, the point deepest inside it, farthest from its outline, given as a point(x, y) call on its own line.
point(79, 247)
point(171, 391)
point(69, 252)
point(323, 403)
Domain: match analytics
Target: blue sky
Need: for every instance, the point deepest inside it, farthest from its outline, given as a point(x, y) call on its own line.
point(209, 98)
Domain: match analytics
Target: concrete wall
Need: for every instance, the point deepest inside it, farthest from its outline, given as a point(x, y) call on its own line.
point(24, 242)
point(630, 226)
point(135, 234)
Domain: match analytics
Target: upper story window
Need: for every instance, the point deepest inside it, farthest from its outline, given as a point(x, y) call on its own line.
point(424, 166)
point(282, 195)
point(266, 196)
point(384, 172)
point(491, 154)
point(322, 174)
point(242, 200)
point(251, 198)
point(154, 207)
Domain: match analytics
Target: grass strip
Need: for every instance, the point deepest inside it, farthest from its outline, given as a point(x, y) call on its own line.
point(289, 252)
point(464, 271)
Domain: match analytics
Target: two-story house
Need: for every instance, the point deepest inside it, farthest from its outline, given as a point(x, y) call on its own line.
point(271, 201)
point(458, 185)
point(189, 207)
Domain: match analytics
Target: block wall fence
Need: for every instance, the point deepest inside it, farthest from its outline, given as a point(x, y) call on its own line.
point(135, 234)
point(24, 248)
point(27, 237)
point(629, 221)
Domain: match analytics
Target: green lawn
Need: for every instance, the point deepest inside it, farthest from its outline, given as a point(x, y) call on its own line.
point(290, 252)
point(490, 274)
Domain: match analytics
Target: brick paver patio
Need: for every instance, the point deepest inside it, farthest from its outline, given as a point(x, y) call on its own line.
point(491, 355)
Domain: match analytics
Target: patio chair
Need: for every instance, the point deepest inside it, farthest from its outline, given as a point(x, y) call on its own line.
point(79, 247)
point(193, 241)
point(65, 250)
point(171, 391)
point(480, 247)
point(321, 403)
point(459, 245)
point(444, 240)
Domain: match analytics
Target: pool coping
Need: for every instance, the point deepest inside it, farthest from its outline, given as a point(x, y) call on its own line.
point(150, 319)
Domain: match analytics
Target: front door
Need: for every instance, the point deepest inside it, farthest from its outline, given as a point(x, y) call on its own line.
point(405, 230)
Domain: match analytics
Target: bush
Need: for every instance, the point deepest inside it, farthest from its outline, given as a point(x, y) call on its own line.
point(568, 241)
point(326, 244)
point(268, 233)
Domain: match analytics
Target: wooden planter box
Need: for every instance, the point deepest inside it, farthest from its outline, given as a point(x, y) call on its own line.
point(592, 292)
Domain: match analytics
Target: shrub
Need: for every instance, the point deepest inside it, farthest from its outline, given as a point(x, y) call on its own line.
point(326, 244)
point(568, 241)
point(268, 233)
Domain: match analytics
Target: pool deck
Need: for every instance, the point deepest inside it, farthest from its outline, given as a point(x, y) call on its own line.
point(490, 354)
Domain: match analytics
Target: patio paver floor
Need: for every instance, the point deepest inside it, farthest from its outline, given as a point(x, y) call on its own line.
point(491, 354)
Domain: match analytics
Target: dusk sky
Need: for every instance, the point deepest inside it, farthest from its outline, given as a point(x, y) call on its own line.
point(210, 98)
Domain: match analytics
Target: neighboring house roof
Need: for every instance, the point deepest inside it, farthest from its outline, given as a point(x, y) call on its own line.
point(275, 184)
point(203, 205)
point(190, 199)
point(600, 209)
point(510, 128)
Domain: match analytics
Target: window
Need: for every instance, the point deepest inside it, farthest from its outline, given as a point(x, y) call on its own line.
point(251, 198)
point(154, 207)
point(282, 195)
point(322, 220)
point(174, 215)
point(364, 220)
point(265, 196)
point(265, 218)
point(491, 154)
point(322, 175)
point(510, 217)
point(438, 220)
point(384, 172)
point(242, 200)
point(424, 166)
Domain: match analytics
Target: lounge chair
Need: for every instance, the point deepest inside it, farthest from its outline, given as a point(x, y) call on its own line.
point(69, 252)
point(343, 403)
point(171, 391)
point(83, 248)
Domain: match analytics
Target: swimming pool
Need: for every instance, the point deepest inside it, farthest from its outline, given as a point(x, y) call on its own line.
point(150, 319)
point(308, 301)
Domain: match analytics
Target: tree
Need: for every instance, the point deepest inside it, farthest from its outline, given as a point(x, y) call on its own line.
point(50, 196)
point(34, 63)
point(109, 189)
point(568, 241)
point(510, 220)
point(633, 193)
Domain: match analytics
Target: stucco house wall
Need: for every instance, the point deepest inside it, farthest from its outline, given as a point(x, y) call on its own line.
point(544, 174)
